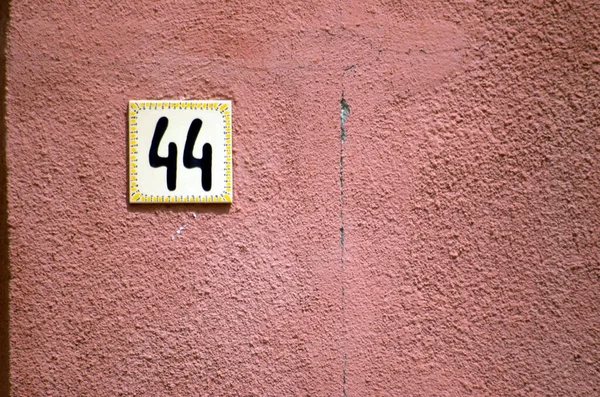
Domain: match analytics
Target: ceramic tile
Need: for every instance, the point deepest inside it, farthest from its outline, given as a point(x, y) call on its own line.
point(180, 152)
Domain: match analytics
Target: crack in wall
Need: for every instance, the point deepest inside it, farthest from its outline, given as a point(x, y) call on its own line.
point(344, 113)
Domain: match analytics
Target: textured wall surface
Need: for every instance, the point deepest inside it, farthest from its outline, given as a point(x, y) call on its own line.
point(416, 200)
point(4, 264)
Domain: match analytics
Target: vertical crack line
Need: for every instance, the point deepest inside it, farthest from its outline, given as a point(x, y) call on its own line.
point(344, 376)
point(344, 113)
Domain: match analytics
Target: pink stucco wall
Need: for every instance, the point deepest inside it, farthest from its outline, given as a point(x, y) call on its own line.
point(438, 238)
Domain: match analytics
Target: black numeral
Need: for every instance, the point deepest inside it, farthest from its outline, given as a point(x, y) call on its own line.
point(171, 160)
point(189, 161)
point(204, 163)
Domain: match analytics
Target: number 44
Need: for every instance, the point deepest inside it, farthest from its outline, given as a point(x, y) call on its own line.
point(189, 161)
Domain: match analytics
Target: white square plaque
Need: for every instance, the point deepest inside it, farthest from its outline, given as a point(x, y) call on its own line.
point(180, 152)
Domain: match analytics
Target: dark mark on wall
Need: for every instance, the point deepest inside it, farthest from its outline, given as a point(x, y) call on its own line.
point(344, 113)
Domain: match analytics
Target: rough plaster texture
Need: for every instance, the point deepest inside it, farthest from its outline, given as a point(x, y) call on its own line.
point(448, 246)
point(4, 266)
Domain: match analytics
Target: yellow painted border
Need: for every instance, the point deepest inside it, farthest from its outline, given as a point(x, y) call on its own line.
point(138, 197)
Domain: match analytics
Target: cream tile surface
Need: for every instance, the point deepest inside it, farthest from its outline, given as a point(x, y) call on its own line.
point(180, 152)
